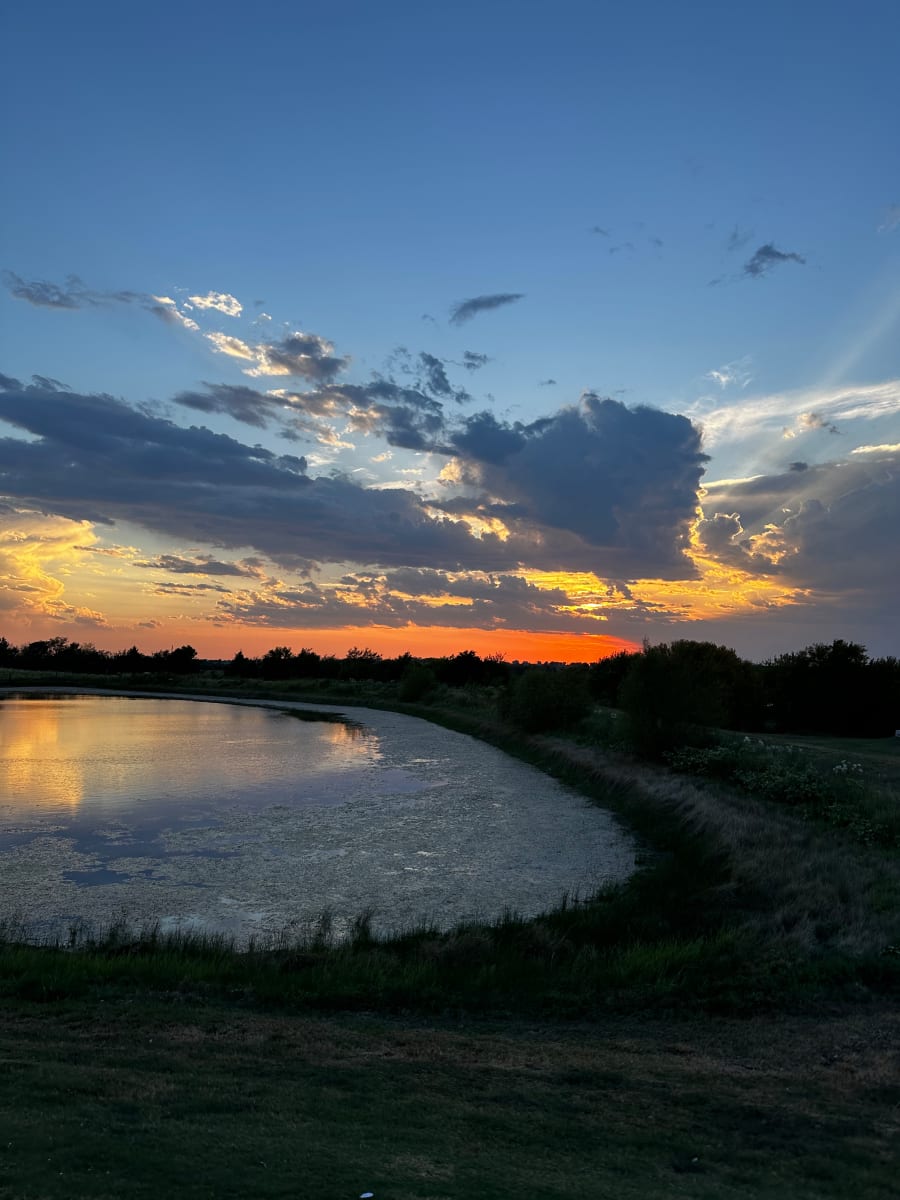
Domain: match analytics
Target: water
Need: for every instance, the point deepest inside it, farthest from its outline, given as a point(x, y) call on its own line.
point(245, 820)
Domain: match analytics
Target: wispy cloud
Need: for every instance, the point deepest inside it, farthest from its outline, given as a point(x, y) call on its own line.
point(467, 309)
point(738, 238)
point(767, 257)
point(891, 219)
point(75, 294)
point(177, 564)
point(474, 361)
point(72, 294)
point(733, 373)
point(167, 309)
point(766, 415)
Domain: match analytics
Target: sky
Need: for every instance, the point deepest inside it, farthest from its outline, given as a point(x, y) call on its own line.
point(534, 329)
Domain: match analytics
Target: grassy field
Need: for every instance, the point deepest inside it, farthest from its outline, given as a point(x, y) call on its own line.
point(723, 1025)
point(190, 1099)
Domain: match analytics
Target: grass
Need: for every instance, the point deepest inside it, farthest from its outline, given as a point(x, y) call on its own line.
point(198, 1100)
point(723, 1025)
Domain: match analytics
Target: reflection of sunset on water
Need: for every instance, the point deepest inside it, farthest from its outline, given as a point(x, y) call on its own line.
point(113, 754)
point(244, 820)
point(39, 757)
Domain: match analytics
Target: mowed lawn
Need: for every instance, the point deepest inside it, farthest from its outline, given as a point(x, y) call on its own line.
point(879, 757)
point(129, 1097)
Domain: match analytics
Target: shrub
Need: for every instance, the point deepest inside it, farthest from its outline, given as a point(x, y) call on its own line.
point(416, 683)
point(542, 700)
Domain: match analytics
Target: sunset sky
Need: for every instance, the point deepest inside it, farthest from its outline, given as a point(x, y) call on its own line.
point(521, 327)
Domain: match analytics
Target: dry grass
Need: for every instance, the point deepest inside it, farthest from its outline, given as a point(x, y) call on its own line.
point(791, 881)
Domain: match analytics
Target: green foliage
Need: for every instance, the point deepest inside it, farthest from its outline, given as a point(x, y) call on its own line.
point(839, 795)
point(416, 683)
point(672, 693)
point(542, 700)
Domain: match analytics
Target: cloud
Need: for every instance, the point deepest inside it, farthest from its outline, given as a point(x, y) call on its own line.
point(738, 238)
point(188, 589)
point(474, 361)
point(767, 257)
point(809, 421)
point(465, 310)
point(44, 294)
point(547, 383)
point(891, 219)
point(167, 310)
point(94, 458)
point(411, 596)
point(736, 372)
point(37, 552)
point(202, 565)
point(621, 481)
point(763, 417)
point(244, 404)
point(599, 486)
point(75, 295)
point(221, 301)
point(830, 527)
point(884, 448)
point(302, 355)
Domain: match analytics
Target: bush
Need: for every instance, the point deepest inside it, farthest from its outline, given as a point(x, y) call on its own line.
point(542, 700)
point(416, 683)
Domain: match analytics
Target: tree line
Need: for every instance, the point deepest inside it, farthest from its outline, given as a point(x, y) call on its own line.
point(666, 689)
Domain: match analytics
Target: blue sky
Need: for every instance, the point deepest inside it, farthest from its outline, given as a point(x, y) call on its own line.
point(693, 208)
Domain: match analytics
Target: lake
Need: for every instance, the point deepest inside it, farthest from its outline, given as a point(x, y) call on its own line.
point(243, 819)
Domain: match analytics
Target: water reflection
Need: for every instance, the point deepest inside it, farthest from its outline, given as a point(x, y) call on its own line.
point(32, 758)
point(118, 755)
point(244, 819)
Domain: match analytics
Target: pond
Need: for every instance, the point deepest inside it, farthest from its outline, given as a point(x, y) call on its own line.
point(241, 819)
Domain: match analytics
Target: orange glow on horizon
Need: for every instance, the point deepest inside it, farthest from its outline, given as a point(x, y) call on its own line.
point(420, 641)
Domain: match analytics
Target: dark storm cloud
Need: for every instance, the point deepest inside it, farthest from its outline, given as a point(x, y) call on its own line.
point(845, 538)
point(594, 487)
point(486, 439)
point(94, 458)
point(831, 526)
point(622, 480)
point(467, 309)
point(767, 257)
